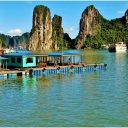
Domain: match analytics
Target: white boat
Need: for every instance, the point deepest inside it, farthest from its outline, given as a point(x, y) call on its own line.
point(6, 51)
point(121, 47)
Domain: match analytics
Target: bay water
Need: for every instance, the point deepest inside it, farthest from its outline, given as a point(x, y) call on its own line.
point(80, 99)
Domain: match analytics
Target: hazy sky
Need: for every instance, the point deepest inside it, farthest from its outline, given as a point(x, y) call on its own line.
point(16, 17)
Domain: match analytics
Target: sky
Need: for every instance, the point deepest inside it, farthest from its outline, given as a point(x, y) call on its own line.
point(16, 16)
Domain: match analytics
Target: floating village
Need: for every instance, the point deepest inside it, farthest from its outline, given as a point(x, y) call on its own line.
point(15, 62)
point(21, 62)
point(63, 68)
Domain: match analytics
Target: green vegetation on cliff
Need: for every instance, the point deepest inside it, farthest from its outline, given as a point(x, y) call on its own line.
point(111, 32)
point(60, 40)
point(95, 30)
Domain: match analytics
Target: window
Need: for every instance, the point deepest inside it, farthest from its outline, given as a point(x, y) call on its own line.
point(19, 60)
point(29, 60)
point(13, 60)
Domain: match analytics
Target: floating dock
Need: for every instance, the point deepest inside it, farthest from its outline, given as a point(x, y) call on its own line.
point(51, 70)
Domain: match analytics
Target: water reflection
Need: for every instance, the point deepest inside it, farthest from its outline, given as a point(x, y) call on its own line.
point(94, 56)
point(121, 57)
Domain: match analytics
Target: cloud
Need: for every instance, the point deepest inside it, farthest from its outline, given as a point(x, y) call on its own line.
point(15, 32)
point(71, 29)
point(120, 12)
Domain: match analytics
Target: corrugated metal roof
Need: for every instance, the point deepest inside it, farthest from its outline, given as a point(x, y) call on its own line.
point(29, 53)
point(67, 52)
point(24, 53)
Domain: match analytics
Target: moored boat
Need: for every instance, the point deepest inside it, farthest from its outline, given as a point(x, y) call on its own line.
point(6, 51)
point(121, 47)
point(118, 47)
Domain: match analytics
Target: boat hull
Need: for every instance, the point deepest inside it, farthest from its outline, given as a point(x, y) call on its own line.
point(112, 49)
point(121, 49)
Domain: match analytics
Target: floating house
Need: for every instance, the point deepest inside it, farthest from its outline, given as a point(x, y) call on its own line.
point(65, 57)
point(24, 59)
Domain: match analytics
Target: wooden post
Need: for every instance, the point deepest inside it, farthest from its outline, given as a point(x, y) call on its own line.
point(73, 59)
point(3, 65)
point(46, 59)
point(81, 58)
point(6, 64)
point(0, 64)
point(54, 59)
point(62, 61)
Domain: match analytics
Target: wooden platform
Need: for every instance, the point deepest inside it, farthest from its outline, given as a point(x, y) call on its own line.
point(66, 66)
point(12, 71)
point(50, 70)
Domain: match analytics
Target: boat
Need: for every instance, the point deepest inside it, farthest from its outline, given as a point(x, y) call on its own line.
point(6, 51)
point(121, 47)
point(118, 47)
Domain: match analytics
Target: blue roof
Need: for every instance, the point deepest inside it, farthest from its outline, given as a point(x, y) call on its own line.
point(30, 53)
point(67, 52)
point(22, 53)
point(55, 53)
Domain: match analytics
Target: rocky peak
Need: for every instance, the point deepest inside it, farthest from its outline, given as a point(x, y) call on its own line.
point(90, 23)
point(57, 31)
point(46, 34)
point(57, 24)
point(39, 15)
point(41, 32)
point(126, 16)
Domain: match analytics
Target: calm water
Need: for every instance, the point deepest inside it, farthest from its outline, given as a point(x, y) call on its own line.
point(91, 98)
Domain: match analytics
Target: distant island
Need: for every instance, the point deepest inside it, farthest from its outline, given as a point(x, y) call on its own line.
point(47, 33)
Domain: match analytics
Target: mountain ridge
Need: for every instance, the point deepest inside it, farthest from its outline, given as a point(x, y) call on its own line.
point(48, 33)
